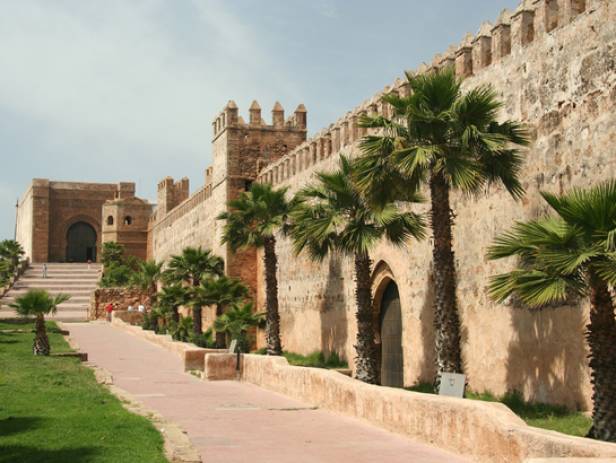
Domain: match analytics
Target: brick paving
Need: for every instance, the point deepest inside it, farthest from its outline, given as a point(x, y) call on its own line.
point(235, 422)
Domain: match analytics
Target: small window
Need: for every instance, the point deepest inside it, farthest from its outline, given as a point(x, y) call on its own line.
point(128, 220)
point(110, 220)
point(247, 185)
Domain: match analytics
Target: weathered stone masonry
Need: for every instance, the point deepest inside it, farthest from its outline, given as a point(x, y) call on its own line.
point(553, 64)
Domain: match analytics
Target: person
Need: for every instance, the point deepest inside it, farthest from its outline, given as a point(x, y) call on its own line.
point(109, 310)
point(44, 270)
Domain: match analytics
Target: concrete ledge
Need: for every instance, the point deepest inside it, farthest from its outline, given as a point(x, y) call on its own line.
point(220, 367)
point(193, 357)
point(483, 431)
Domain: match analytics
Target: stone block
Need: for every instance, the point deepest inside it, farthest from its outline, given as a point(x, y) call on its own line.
point(220, 367)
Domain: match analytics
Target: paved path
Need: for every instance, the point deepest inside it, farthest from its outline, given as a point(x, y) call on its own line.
point(233, 422)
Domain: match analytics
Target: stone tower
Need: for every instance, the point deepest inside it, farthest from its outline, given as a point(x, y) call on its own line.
point(240, 150)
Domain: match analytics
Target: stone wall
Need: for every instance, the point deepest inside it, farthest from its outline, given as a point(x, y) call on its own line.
point(239, 150)
point(121, 297)
point(552, 63)
point(562, 83)
point(25, 221)
point(49, 209)
point(481, 431)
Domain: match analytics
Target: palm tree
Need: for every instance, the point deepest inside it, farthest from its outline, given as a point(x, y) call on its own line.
point(39, 302)
point(236, 323)
point(146, 278)
point(11, 251)
point(191, 267)
point(571, 253)
point(444, 139)
point(172, 297)
point(252, 221)
point(220, 292)
point(333, 216)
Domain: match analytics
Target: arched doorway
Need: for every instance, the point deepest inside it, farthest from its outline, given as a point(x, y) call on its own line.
point(392, 365)
point(81, 243)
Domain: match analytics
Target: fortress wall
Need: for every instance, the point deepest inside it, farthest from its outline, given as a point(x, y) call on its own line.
point(25, 224)
point(192, 223)
point(559, 77)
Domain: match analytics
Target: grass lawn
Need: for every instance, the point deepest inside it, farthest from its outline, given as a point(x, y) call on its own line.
point(52, 410)
point(553, 417)
point(315, 360)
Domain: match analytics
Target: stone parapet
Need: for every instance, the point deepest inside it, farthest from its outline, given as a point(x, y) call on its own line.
point(484, 431)
point(512, 32)
point(192, 356)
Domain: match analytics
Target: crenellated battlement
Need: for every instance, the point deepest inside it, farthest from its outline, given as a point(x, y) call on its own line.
point(510, 34)
point(171, 193)
point(229, 117)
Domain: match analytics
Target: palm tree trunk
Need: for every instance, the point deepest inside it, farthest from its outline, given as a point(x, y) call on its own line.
point(272, 327)
point(446, 317)
point(365, 362)
point(41, 341)
point(601, 338)
point(175, 314)
point(196, 313)
point(221, 337)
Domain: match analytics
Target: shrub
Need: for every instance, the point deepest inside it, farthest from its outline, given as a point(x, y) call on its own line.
point(205, 339)
point(183, 329)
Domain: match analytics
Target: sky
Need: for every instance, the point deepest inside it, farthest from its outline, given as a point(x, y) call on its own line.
point(126, 90)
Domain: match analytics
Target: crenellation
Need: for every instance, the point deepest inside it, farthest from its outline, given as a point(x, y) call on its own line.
point(464, 61)
point(547, 16)
point(572, 9)
point(278, 115)
point(482, 48)
point(501, 36)
point(522, 28)
point(255, 114)
point(301, 120)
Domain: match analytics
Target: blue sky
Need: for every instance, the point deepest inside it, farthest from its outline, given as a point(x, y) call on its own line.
point(125, 90)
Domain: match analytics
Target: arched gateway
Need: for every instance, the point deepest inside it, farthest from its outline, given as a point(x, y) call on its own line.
point(388, 326)
point(392, 366)
point(81, 243)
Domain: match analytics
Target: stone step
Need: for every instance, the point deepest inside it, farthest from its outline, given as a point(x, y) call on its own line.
point(8, 299)
point(66, 287)
point(51, 290)
point(62, 272)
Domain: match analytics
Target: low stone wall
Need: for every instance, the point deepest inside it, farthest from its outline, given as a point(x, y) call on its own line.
point(483, 431)
point(122, 297)
point(220, 366)
point(193, 357)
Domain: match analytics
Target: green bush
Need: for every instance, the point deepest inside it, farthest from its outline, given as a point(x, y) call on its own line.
point(205, 339)
point(314, 360)
point(118, 269)
point(116, 275)
point(182, 331)
point(149, 322)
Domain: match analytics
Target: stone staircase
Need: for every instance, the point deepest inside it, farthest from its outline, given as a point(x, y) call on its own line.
point(76, 280)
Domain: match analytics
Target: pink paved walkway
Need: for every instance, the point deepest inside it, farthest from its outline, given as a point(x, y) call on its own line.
point(232, 422)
